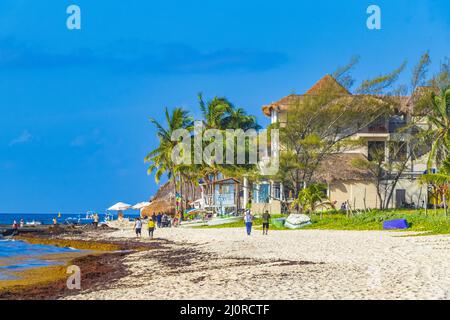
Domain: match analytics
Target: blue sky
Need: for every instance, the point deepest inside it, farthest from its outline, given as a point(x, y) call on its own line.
point(74, 105)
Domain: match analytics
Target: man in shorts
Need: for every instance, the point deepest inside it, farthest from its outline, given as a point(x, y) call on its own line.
point(265, 220)
point(138, 227)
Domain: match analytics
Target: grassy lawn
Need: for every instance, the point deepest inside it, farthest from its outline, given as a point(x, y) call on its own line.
point(257, 222)
point(433, 223)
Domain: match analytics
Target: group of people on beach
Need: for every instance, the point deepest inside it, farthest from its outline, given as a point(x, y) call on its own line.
point(248, 220)
point(16, 225)
point(160, 220)
point(163, 220)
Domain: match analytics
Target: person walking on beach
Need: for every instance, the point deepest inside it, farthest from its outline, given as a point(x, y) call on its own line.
point(138, 227)
point(164, 221)
point(266, 219)
point(176, 220)
point(22, 223)
point(158, 220)
point(95, 221)
point(151, 228)
point(248, 218)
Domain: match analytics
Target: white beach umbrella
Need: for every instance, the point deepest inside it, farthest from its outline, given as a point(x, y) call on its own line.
point(119, 206)
point(140, 205)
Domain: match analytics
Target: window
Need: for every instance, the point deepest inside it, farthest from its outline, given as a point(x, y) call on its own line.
point(224, 195)
point(276, 191)
point(261, 193)
point(263, 196)
point(376, 150)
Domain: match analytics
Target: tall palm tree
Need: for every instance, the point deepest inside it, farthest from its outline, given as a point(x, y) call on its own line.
point(215, 111)
point(440, 122)
point(220, 114)
point(440, 181)
point(160, 159)
point(239, 119)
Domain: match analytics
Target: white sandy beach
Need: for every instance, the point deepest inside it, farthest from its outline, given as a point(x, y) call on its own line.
point(305, 264)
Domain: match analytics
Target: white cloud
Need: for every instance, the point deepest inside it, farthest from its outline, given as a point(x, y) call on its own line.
point(23, 138)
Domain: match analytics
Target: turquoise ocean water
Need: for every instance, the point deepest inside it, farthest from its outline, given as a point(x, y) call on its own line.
point(19, 255)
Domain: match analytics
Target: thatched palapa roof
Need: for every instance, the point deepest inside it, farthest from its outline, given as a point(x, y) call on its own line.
point(163, 201)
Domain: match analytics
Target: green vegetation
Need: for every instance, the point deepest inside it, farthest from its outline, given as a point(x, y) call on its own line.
point(313, 197)
point(257, 222)
point(434, 223)
point(320, 125)
point(440, 121)
point(219, 115)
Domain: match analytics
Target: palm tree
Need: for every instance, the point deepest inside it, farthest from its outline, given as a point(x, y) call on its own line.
point(440, 181)
point(214, 112)
point(440, 122)
point(160, 159)
point(238, 119)
point(312, 197)
point(220, 114)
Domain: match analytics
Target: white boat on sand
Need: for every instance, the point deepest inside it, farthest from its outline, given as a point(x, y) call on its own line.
point(33, 223)
point(212, 222)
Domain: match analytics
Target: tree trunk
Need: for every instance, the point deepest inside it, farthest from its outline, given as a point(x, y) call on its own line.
point(181, 194)
point(175, 191)
point(445, 203)
point(380, 197)
point(364, 199)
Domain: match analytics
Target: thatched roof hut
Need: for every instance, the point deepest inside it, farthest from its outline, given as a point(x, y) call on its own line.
point(163, 201)
point(341, 167)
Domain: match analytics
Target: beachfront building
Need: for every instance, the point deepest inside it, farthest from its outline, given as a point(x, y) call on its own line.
point(220, 196)
point(347, 183)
